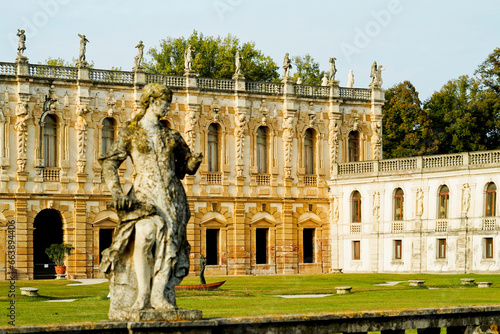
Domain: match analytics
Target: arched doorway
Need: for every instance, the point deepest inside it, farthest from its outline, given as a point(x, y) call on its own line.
point(47, 231)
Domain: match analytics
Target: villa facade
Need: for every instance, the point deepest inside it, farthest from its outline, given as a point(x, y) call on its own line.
point(292, 180)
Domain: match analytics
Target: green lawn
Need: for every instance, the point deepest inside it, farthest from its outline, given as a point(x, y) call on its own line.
point(256, 295)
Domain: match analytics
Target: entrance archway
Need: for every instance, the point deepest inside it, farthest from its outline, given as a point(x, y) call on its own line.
point(47, 231)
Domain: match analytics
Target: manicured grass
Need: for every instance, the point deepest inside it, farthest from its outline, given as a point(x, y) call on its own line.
point(256, 295)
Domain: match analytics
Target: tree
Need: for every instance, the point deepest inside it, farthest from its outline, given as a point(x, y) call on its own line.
point(407, 130)
point(465, 117)
point(214, 57)
point(489, 71)
point(308, 70)
point(61, 62)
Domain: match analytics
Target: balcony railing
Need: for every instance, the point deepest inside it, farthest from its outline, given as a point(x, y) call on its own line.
point(310, 180)
point(263, 179)
point(51, 174)
point(489, 224)
point(214, 178)
point(8, 69)
point(355, 228)
point(421, 163)
point(441, 225)
point(397, 226)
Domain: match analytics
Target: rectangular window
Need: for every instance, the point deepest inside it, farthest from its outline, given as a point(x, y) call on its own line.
point(212, 240)
point(488, 248)
point(261, 237)
point(398, 249)
point(356, 250)
point(441, 244)
point(308, 245)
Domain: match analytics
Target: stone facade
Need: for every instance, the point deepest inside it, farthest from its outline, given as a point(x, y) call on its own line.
point(434, 214)
point(259, 202)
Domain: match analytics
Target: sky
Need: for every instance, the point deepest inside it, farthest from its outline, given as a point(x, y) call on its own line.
point(427, 42)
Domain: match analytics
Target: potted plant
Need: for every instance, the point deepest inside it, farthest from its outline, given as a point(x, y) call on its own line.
point(57, 253)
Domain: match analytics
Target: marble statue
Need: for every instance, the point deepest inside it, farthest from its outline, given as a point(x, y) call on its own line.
point(21, 46)
point(149, 254)
point(420, 202)
point(350, 79)
point(376, 75)
point(237, 62)
point(333, 69)
point(83, 47)
point(287, 65)
point(465, 198)
point(299, 81)
point(376, 205)
point(140, 53)
point(188, 59)
point(324, 80)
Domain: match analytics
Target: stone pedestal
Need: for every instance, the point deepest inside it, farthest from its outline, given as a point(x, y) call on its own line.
point(155, 315)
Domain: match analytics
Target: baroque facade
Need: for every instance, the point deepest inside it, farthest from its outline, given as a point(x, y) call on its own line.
point(259, 202)
point(292, 180)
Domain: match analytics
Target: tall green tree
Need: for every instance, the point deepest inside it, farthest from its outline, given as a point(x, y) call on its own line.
point(308, 70)
point(213, 57)
point(407, 131)
point(465, 117)
point(489, 71)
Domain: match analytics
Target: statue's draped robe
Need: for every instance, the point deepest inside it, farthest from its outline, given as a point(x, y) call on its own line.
point(160, 157)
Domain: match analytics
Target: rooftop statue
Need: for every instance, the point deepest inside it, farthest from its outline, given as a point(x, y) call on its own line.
point(21, 46)
point(140, 53)
point(237, 62)
point(350, 79)
point(188, 59)
point(287, 65)
point(83, 48)
point(333, 69)
point(149, 254)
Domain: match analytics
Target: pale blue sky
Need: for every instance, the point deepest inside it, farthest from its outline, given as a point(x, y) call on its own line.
point(427, 42)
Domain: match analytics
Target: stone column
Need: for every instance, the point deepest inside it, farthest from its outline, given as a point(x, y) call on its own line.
point(78, 262)
point(239, 246)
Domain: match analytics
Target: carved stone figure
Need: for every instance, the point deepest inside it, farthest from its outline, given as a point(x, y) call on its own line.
point(333, 141)
point(420, 202)
point(376, 139)
point(287, 66)
point(189, 129)
point(350, 79)
point(21, 46)
point(21, 126)
point(240, 135)
point(140, 53)
point(288, 134)
point(111, 103)
point(333, 69)
point(188, 59)
point(465, 198)
point(83, 47)
point(149, 254)
point(376, 75)
point(237, 63)
point(81, 135)
point(336, 214)
point(376, 205)
point(324, 80)
point(299, 81)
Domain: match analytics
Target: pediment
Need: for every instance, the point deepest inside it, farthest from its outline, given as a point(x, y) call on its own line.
point(310, 219)
point(214, 219)
point(106, 219)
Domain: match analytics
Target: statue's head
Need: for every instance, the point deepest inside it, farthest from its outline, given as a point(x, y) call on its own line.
point(154, 91)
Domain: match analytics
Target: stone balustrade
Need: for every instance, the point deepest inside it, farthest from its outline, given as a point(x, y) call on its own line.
point(124, 77)
point(419, 164)
point(456, 320)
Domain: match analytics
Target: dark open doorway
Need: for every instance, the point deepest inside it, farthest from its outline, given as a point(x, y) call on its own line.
point(47, 231)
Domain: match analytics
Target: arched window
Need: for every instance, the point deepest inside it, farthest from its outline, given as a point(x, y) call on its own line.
point(356, 207)
point(353, 146)
point(213, 148)
point(262, 150)
point(309, 152)
point(50, 141)
point(491, 200)
point(398, 204)
point(444, 197)
point(108, 134)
